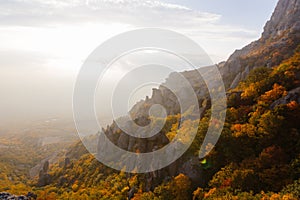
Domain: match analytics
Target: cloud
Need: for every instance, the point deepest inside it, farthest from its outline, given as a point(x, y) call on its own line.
point(44, 42)
point(131, 13)
point(135, 12)
point(136, 4)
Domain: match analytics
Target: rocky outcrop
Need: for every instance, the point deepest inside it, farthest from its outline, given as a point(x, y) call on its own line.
point(285, 18)
point(293, 95)
point(167, 98)
point(8, 196)
point(278, 42)
point(280, 38)
point(133, 144)
point(44, 178)
point(192, 168)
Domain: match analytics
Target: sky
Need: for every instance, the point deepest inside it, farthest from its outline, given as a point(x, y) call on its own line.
point(43, 43)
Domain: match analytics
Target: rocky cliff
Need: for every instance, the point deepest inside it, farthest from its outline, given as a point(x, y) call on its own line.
point(278, 41)
point(285, 20)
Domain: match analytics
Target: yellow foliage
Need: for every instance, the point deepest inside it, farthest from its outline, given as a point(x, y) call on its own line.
point(277, 92)
point(181, 187)
point(75, 187)
point(198, 194)
point(288, 197)
point(210, 192)
point(240, 130)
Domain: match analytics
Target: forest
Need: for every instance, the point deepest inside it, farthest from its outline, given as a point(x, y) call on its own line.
point(257, 156)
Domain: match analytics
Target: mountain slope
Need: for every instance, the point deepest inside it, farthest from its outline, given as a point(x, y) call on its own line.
point(280, 38)
point(259, 149)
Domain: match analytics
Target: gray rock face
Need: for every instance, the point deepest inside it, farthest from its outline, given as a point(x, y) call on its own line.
point(293, 95)
point(193, 170)
point(285, 17)
point(236, 80)
point(168, 99)
point(44, 177)
point(280, 37)
point(123, 141)
point(8, 196)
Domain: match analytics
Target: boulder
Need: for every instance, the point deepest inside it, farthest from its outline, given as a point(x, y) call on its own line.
point(293, 95)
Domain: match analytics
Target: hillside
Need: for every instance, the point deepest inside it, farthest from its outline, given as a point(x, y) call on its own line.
point(23, 152)
point(256, 157)
point(277, 43)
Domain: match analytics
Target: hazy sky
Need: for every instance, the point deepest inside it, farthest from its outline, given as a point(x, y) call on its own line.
point(43, 43)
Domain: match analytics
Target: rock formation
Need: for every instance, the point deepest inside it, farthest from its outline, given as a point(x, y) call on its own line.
point(279, 39)
point(44, 177)
point(8, 196)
